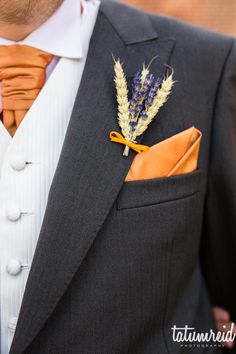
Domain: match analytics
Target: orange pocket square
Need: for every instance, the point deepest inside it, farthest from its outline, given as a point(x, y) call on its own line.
point(173, 156)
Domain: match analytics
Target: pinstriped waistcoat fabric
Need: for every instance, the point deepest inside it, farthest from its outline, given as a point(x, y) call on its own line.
point(38, 141)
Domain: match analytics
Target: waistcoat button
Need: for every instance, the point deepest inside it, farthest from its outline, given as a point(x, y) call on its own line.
point(17, 162)
point(13, 214)
point(14, 267)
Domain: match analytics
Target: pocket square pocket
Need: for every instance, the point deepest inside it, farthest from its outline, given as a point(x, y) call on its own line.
point(173, 156)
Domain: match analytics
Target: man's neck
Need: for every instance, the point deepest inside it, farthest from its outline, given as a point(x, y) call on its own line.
point(15, 33)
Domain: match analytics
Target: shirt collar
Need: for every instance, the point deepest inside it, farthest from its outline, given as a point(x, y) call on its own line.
point(60, 35)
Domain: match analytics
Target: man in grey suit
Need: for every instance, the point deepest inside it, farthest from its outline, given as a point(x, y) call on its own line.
point(117, 264)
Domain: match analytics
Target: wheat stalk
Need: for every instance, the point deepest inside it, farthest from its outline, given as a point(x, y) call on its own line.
point(160, 99)
point(146, 71)
point(122, 99)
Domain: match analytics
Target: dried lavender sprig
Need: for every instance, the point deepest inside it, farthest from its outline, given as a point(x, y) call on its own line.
point(140, 95)
point(153, 92)
point(137, 95)
point(140, 104)
point(150, 98)
point(147, 86)
point(137, 79)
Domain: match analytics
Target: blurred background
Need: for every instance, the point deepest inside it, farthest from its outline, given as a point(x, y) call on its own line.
point(219, 15)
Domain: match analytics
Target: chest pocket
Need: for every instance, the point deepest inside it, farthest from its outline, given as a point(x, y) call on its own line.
point(148, 192)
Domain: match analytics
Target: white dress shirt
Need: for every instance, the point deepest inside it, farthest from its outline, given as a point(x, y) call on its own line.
point(28, 160)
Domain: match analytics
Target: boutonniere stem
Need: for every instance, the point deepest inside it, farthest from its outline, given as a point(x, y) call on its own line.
point(118, 138)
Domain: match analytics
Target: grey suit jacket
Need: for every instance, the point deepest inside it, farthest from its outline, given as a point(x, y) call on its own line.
point(117, 264)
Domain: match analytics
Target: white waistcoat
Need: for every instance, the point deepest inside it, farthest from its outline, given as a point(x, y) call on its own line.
point(27, 165)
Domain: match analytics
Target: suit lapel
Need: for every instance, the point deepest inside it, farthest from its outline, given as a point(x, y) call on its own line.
point(90, 172)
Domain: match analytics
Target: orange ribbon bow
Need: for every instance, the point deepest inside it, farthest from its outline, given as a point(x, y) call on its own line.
point(118, 138)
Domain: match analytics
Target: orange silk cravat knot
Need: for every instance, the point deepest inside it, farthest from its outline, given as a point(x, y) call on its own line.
point(23, 74)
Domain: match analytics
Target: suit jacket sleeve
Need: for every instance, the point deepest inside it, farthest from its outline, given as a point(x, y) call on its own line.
point(218, 254)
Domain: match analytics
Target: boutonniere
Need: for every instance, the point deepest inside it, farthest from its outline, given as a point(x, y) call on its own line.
point(148, 95)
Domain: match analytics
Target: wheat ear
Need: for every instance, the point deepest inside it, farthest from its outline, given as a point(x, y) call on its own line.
point(122, 99)
point(146, 71)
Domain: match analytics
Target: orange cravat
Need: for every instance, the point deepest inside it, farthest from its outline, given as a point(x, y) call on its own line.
point(23, 74)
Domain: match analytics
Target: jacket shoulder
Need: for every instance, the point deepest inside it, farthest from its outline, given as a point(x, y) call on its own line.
point(133, 24)
point(191, 36)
